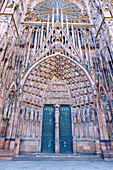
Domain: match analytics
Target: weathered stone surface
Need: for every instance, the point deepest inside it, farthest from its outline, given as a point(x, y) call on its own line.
point(56, 53)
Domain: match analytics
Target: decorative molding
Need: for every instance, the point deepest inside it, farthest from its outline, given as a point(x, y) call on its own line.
point(11, 14)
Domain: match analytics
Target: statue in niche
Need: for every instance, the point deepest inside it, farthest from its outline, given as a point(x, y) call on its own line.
point(107, 112)
point(35, 114)
point(106, 108)
point(5, 110)
point(8, 109)
point(77, 113)
point(83, 114)
point(22, 112)
point(31, 114)
point(27, 113)
point(88, 116)
point(92, 113)
point(74, 117)
point(39, 116)
point(103, 100)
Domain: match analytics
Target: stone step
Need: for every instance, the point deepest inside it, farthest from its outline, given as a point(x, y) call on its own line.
point(56, 158)
point(108, 155)
point(6, 154)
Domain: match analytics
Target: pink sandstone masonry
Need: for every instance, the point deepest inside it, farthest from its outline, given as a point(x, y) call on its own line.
point(56, 53)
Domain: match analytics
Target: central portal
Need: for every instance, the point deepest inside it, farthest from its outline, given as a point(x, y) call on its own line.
point(65, 130)
point(48, 130)
point(64, 136)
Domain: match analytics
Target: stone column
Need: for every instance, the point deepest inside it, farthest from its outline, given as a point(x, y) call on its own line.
point(13, 128)
point(2, 139)
point(40, 119)
point(57, 129)
point(74, 129)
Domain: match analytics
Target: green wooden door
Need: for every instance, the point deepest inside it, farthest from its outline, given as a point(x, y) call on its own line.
point(48, 130)
point(65, 130)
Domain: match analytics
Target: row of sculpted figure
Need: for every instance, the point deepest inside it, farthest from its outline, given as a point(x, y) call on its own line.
point(84, 114)
point(106, 108)
point(29, 113)
point(8, 108)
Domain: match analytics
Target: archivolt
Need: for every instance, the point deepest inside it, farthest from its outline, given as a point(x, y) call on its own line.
point(25, 76)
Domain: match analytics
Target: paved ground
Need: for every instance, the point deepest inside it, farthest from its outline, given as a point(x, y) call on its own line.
point(42, 165)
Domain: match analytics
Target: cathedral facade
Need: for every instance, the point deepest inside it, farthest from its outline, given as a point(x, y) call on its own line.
point(56, 77)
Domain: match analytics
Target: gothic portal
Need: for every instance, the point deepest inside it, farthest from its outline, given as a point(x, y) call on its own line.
point(56, 77)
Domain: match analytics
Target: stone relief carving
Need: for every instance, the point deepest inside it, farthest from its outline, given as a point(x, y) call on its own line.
point(84, 114)
point(29, 113)
point(8, 110)
point(106, 107)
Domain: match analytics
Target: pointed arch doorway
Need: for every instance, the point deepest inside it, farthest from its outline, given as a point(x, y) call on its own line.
point(65, 130)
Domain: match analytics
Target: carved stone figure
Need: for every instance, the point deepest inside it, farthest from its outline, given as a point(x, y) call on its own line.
point(22, 112)
point(83, 114)
point(88, 116)
point(31, 114)
point(74, 117)
point(27, 113)
point(77, 114)
point(7, 110)
point(39, 116)
point(92, 113)
point(108, 112)
point(106, 107)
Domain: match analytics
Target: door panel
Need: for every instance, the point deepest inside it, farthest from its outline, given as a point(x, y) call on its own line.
point(48, 130)
point(65, 130)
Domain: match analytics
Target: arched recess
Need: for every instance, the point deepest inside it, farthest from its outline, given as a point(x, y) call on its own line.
point(81, 91)
point(32, 66)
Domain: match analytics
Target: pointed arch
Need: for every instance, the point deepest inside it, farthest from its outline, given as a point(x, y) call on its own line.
point(32, 66)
